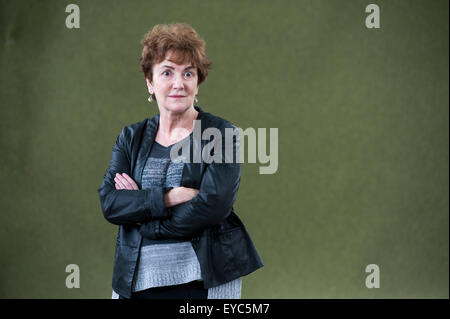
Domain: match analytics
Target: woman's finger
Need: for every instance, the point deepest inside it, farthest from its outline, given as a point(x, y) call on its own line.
point(119, 182)
point(126, 182)
point(118, 186)
point(123, 181)
point(131, 181)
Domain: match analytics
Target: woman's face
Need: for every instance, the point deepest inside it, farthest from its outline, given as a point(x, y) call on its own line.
point(174, 85)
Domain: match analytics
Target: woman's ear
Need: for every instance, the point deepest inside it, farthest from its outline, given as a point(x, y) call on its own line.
point(149, 85)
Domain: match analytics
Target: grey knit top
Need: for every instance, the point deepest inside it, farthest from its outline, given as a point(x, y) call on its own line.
point(167, 262)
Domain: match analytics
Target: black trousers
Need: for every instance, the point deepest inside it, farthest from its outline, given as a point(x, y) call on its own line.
point(190, 290)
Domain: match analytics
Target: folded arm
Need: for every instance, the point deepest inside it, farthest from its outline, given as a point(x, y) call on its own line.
point(212, 205)
point(124, 206)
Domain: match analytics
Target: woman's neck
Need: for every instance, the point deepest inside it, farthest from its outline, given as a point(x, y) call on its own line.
point(174, 127)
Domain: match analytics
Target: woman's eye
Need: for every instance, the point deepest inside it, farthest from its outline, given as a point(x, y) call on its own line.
point(188, 74)
point(166, 73)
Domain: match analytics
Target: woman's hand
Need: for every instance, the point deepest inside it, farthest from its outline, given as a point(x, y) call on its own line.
point(179, 195)
point(175, 196)
point(123, 181)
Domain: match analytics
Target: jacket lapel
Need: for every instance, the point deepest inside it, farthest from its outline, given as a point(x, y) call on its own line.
point(148, 137)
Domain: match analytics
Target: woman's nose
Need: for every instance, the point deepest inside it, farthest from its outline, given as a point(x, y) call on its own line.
point(178, 81)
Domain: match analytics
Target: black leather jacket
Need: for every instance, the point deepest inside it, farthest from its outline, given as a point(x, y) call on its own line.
point(223, 246)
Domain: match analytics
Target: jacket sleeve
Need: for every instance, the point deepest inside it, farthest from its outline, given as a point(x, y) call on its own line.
point(212, 205)
point(125, 207)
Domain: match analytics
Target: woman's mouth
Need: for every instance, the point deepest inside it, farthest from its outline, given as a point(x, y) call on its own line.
point(176, 96)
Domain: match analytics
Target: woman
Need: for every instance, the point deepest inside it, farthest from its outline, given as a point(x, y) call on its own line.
point(179, 236)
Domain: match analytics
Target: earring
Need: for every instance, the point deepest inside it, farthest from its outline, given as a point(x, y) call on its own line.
point(150, 99)
point(195, 99)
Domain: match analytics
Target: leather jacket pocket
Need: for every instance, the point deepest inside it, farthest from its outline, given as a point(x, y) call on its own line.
point(229, 249)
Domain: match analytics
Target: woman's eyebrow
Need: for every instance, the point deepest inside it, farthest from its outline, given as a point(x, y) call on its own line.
point(171, 67)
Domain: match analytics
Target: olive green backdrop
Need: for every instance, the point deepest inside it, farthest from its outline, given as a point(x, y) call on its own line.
point(363, 139)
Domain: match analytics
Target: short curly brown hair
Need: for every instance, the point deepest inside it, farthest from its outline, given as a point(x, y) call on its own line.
point(182, 40)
